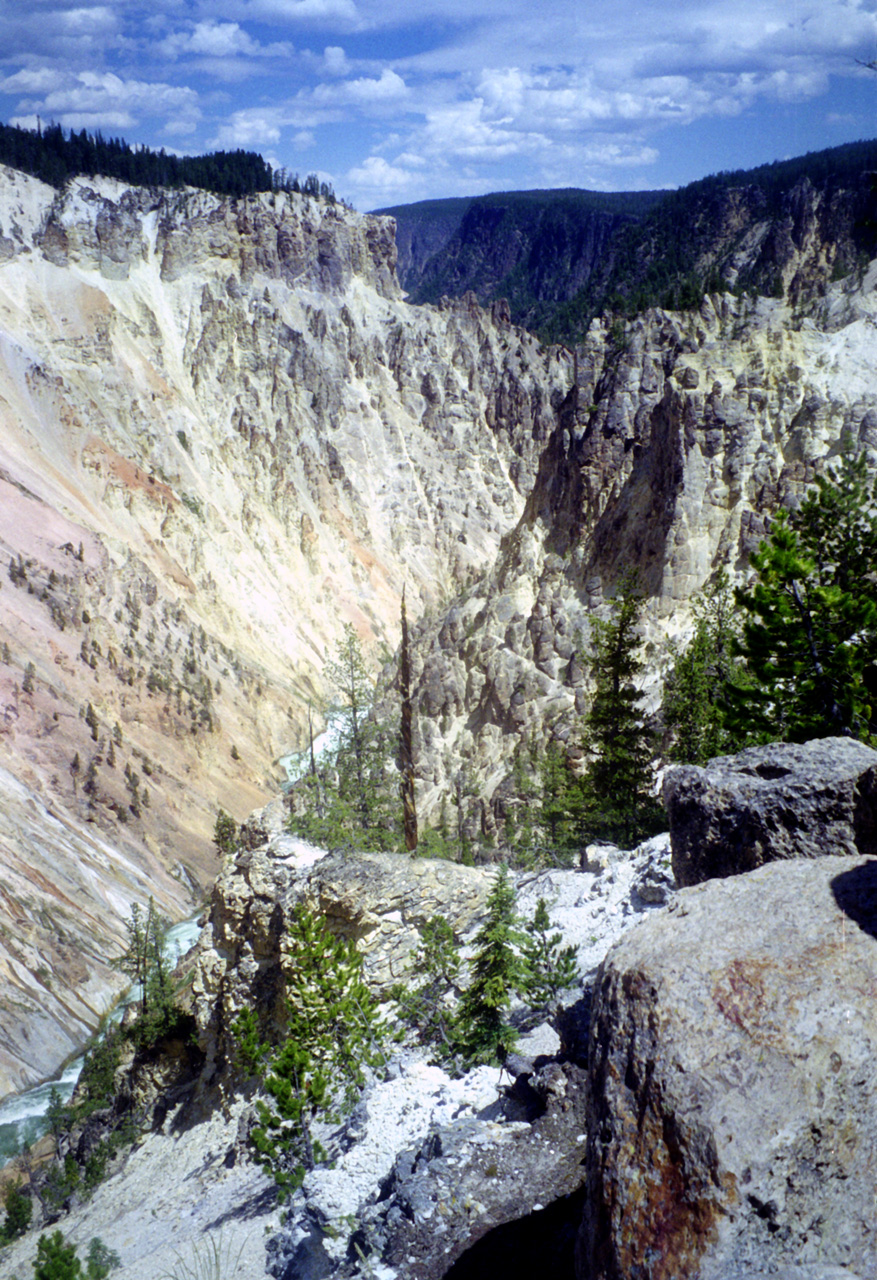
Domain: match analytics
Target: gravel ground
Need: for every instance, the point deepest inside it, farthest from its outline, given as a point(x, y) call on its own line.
point(176, 1207)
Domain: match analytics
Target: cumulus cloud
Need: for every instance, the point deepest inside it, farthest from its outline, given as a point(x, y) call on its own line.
point(388, 87)
point(380, 180)
point(335, 61)
point(96, 100)
point(249, 128)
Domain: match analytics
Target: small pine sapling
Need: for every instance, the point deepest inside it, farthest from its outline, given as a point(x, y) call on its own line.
point(423, 1002)
point(484, 1032)
point(19, 1208)
point(548, 967)
point(56, 1260)
point(333, 1033)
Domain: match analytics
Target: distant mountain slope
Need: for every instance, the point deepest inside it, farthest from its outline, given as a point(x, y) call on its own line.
point(562, 257)
point(537, 249)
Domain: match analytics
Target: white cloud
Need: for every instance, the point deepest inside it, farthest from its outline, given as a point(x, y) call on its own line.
point(100, 99)
point(388, 87)
point(378, 179)
point(249, 128)
point(335, 61)
point(213, 39)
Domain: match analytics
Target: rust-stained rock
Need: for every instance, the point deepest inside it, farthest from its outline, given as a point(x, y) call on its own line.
point(733, 1066)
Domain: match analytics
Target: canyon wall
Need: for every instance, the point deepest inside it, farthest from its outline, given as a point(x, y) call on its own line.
point(223, 435)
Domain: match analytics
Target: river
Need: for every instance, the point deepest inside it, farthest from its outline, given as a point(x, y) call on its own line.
point(23, 1115)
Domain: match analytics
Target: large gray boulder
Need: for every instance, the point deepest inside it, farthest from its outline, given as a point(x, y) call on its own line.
point(732, 1076)
point(785, 800)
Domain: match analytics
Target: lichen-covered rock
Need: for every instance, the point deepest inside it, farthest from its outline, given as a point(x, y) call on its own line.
point(785, 800)
point(733, 1067)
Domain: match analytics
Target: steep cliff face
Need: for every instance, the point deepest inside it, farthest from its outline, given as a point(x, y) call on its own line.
point(682, 434)
point(563, 257)
point(223, 435)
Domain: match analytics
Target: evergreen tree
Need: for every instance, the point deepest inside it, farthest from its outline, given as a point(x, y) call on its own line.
point(225, 833)
point(561, 804)
point(810, 634)
point(694, 706)
point(548, 967)
point(19, 1208)
point(145, 962)
point(333, 1032)
point(424, 1000)
point(484, 1033)
point(351, 802)
point(616, 790)
point(56, 1260)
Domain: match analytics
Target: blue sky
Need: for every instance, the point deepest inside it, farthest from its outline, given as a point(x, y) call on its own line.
point(400, 100)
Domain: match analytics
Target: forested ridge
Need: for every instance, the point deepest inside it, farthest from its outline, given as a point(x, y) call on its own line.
point(53, 156)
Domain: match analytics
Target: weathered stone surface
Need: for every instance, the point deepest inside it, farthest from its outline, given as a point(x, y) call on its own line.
point(379, 900)
point(733, 1067)
point(223, 435)
point(678, 439)
point(785, 800)
point(446, 1192)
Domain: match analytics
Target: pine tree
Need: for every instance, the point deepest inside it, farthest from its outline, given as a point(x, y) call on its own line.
point(333, 1032)
point(350, 802)
point(19, 1208)
point(225, 833)
point(694, 705)
point(617, 801)
point(548, 967)
point(484, 1032)
point(424, 1000)
point(810, 635)
point(145, 962)
point(56, 1260)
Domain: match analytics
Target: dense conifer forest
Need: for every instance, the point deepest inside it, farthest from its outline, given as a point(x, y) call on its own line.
point(53, 156)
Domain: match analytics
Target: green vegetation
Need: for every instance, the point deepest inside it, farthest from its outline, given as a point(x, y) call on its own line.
point(660, 248)
point(548, 967)
point(332, 1034)
point(424, 1001)
point(57, 1260)
point(612, 798)
point(695, 699)
point(510, 956)
point(54, 156)
point(810, 617)
point(210, 1260)
point(19, 1208)
point(352, 800)
point(225, 833)
point(792, 655)
point(484, 1032)
point(145, 962)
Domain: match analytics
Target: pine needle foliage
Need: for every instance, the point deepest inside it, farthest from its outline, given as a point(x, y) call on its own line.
point(810, 631)
point(694, 705)
point(351, 801)
point(548, 967)
point(333, 1033)
point(484, 1031)
point(424, 1001)
point(616, 790)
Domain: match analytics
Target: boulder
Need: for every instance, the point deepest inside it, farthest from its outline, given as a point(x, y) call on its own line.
point(785, 800)
point(732, 1073)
